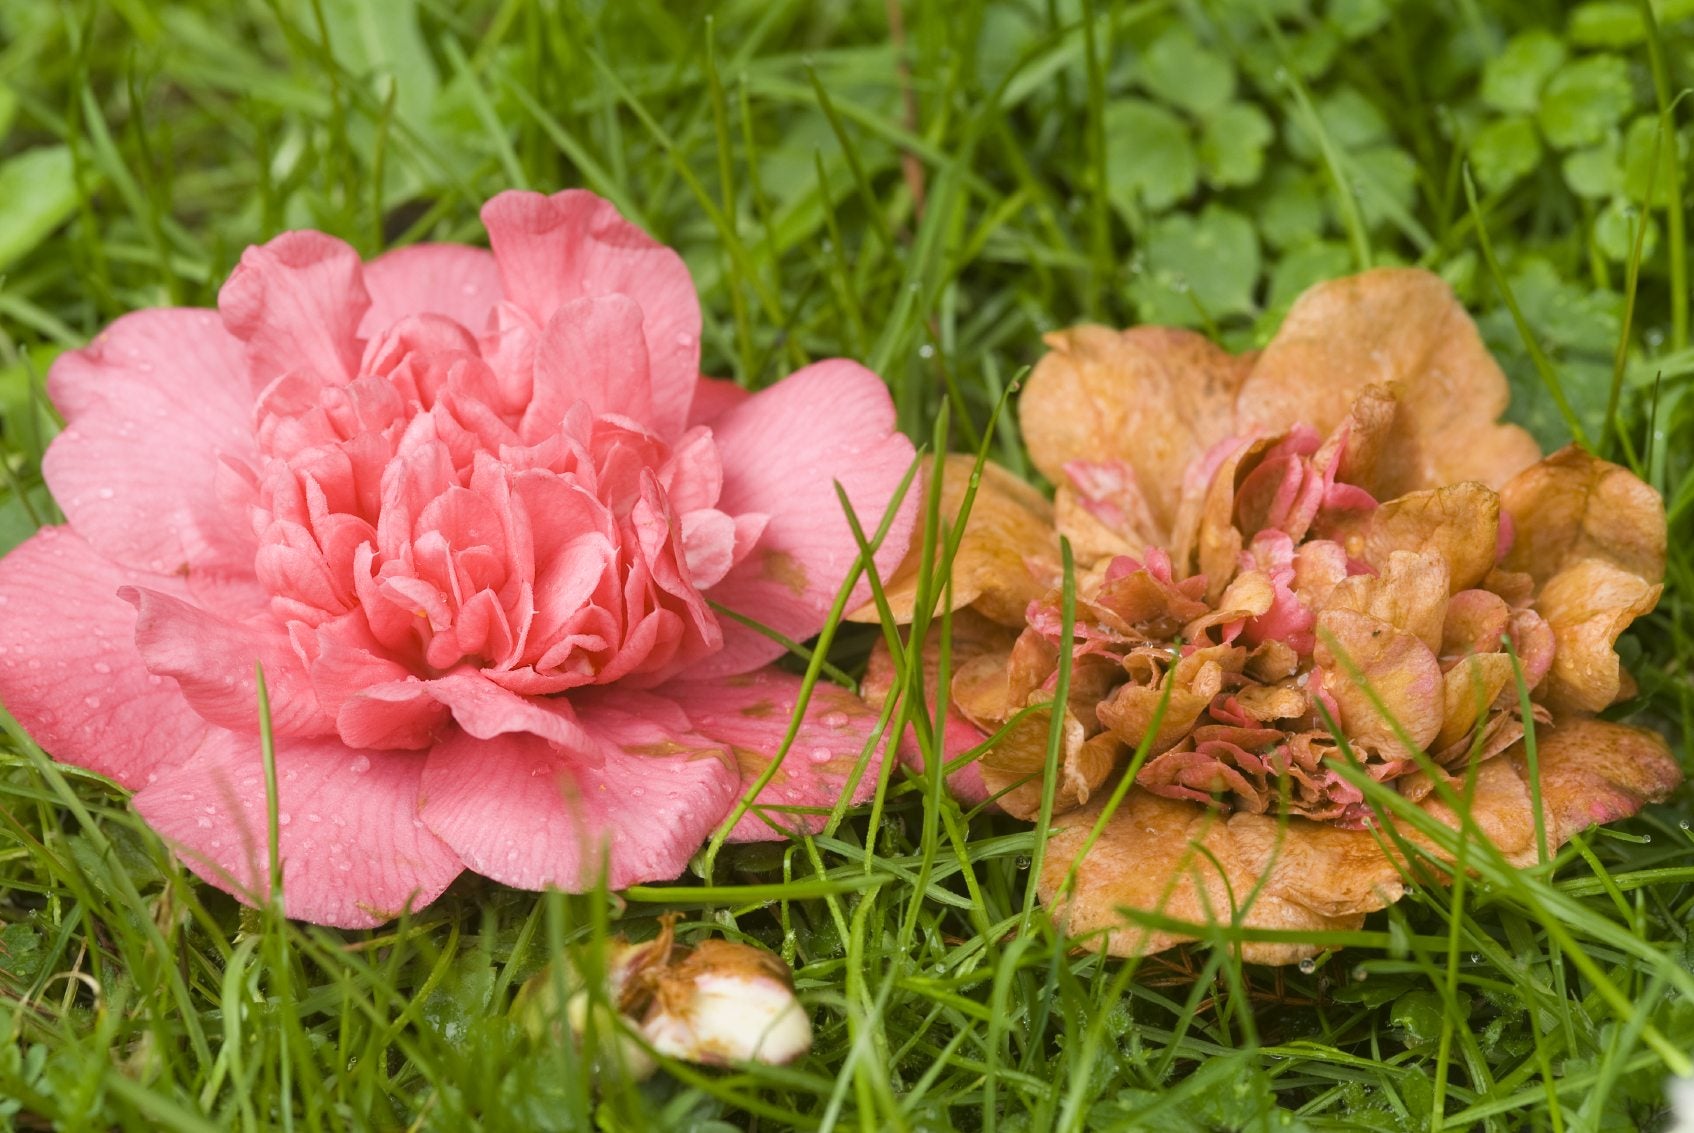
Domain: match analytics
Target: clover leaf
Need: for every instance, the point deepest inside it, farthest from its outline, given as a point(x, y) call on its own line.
point(1505, 151)
point(1149, 156)
point(1197, 268)
point(1183, 73)
point(1232, 145)
point(1584, 99)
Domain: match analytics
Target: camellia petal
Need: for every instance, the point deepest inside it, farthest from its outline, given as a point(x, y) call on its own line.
point(353, 848)
point(69, 670)
point(1154, 398)
point(782, 458)
point(1574, 506)
point(1402, 328)
point(531, 813)
point(155, 506)
point(439, 279)
point(832, 755)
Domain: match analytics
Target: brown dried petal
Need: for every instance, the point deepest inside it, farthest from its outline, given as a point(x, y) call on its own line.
point(1175, 859)
point(1400, 327)
point(1588, 604)
point(1009, 531)
point(1469, 690)
point(1152, 397)
point(1460, 522)
point(1015, 764)
point(1181, 860)
point(1129, 711)
point(1593, 771)
point(1397, 667)
point(1574, 506)
point(1409, 593)
point(1476, 620)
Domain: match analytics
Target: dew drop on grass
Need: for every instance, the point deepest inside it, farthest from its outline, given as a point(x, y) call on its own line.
point(1023, 861)
point(1308, 966)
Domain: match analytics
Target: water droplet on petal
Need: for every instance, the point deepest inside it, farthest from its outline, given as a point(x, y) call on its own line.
point(106, 493)
point(360, 764)
point(685, 340)
point(835, 720)
point(100, 667)
point(91, 701)
point(821, 755)
point(283, 818)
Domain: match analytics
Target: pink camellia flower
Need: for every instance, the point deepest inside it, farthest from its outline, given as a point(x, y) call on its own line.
point(470, 511)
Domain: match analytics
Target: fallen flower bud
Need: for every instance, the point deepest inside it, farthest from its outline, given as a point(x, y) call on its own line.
point(716, 1004)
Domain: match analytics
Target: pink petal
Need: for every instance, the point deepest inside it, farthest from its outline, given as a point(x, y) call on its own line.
point(574, 245)
point(441, 279)
point(531, 814)
point(152, 505)
point(783, 450)
point(212, 660)
point(354, 852)
point(485, 710)
point(713, 397)
point(297, 303)
point(69, 671)
point(591, 351)
point(751, 714)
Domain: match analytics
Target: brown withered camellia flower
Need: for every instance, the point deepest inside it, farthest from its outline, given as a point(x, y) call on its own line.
point(1326, 553)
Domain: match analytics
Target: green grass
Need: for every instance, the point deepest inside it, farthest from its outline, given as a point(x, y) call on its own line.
point(930, 204)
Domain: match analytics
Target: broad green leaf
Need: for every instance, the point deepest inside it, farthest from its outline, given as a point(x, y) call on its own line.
point(1615, 227)
point(1182, 72)
point(1148, 156)
point(1198, 268)
point(1348, 118)
point(1596, 172)
point(37, 194)
point(1388, 182)
point(1513, 79)
point(1639, 144)
point(1585, 99)
point(1232, 145)
point(1504, 151)
point(1292, 213)
point(1355, 19)
point(1606, 23)
point(8, 109)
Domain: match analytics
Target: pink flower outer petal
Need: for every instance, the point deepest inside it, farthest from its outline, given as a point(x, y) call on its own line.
point(69, 671)
point(354, 851)
point(145, 504)
point(783, 451)
point(575, 245)
point(751, 715)
point(297, 303)
point(460, 282)
point(529, 813)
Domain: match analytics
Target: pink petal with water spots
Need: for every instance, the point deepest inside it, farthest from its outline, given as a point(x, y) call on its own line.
point(783, 451)
point(151, 505)
point(751, 714)
point(69, 670)
point(354, 851)
point(530, 813)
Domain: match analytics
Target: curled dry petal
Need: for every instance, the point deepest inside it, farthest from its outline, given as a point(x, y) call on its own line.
point(1460, 522)
point(1575, 506)
point(1173, 859)
point(1006, 556)
point(1589, 604)
point(1401, 328)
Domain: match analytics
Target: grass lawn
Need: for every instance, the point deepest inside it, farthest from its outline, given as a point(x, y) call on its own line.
point(927, 187)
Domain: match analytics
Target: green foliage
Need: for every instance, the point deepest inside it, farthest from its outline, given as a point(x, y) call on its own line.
point(1109, 160)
